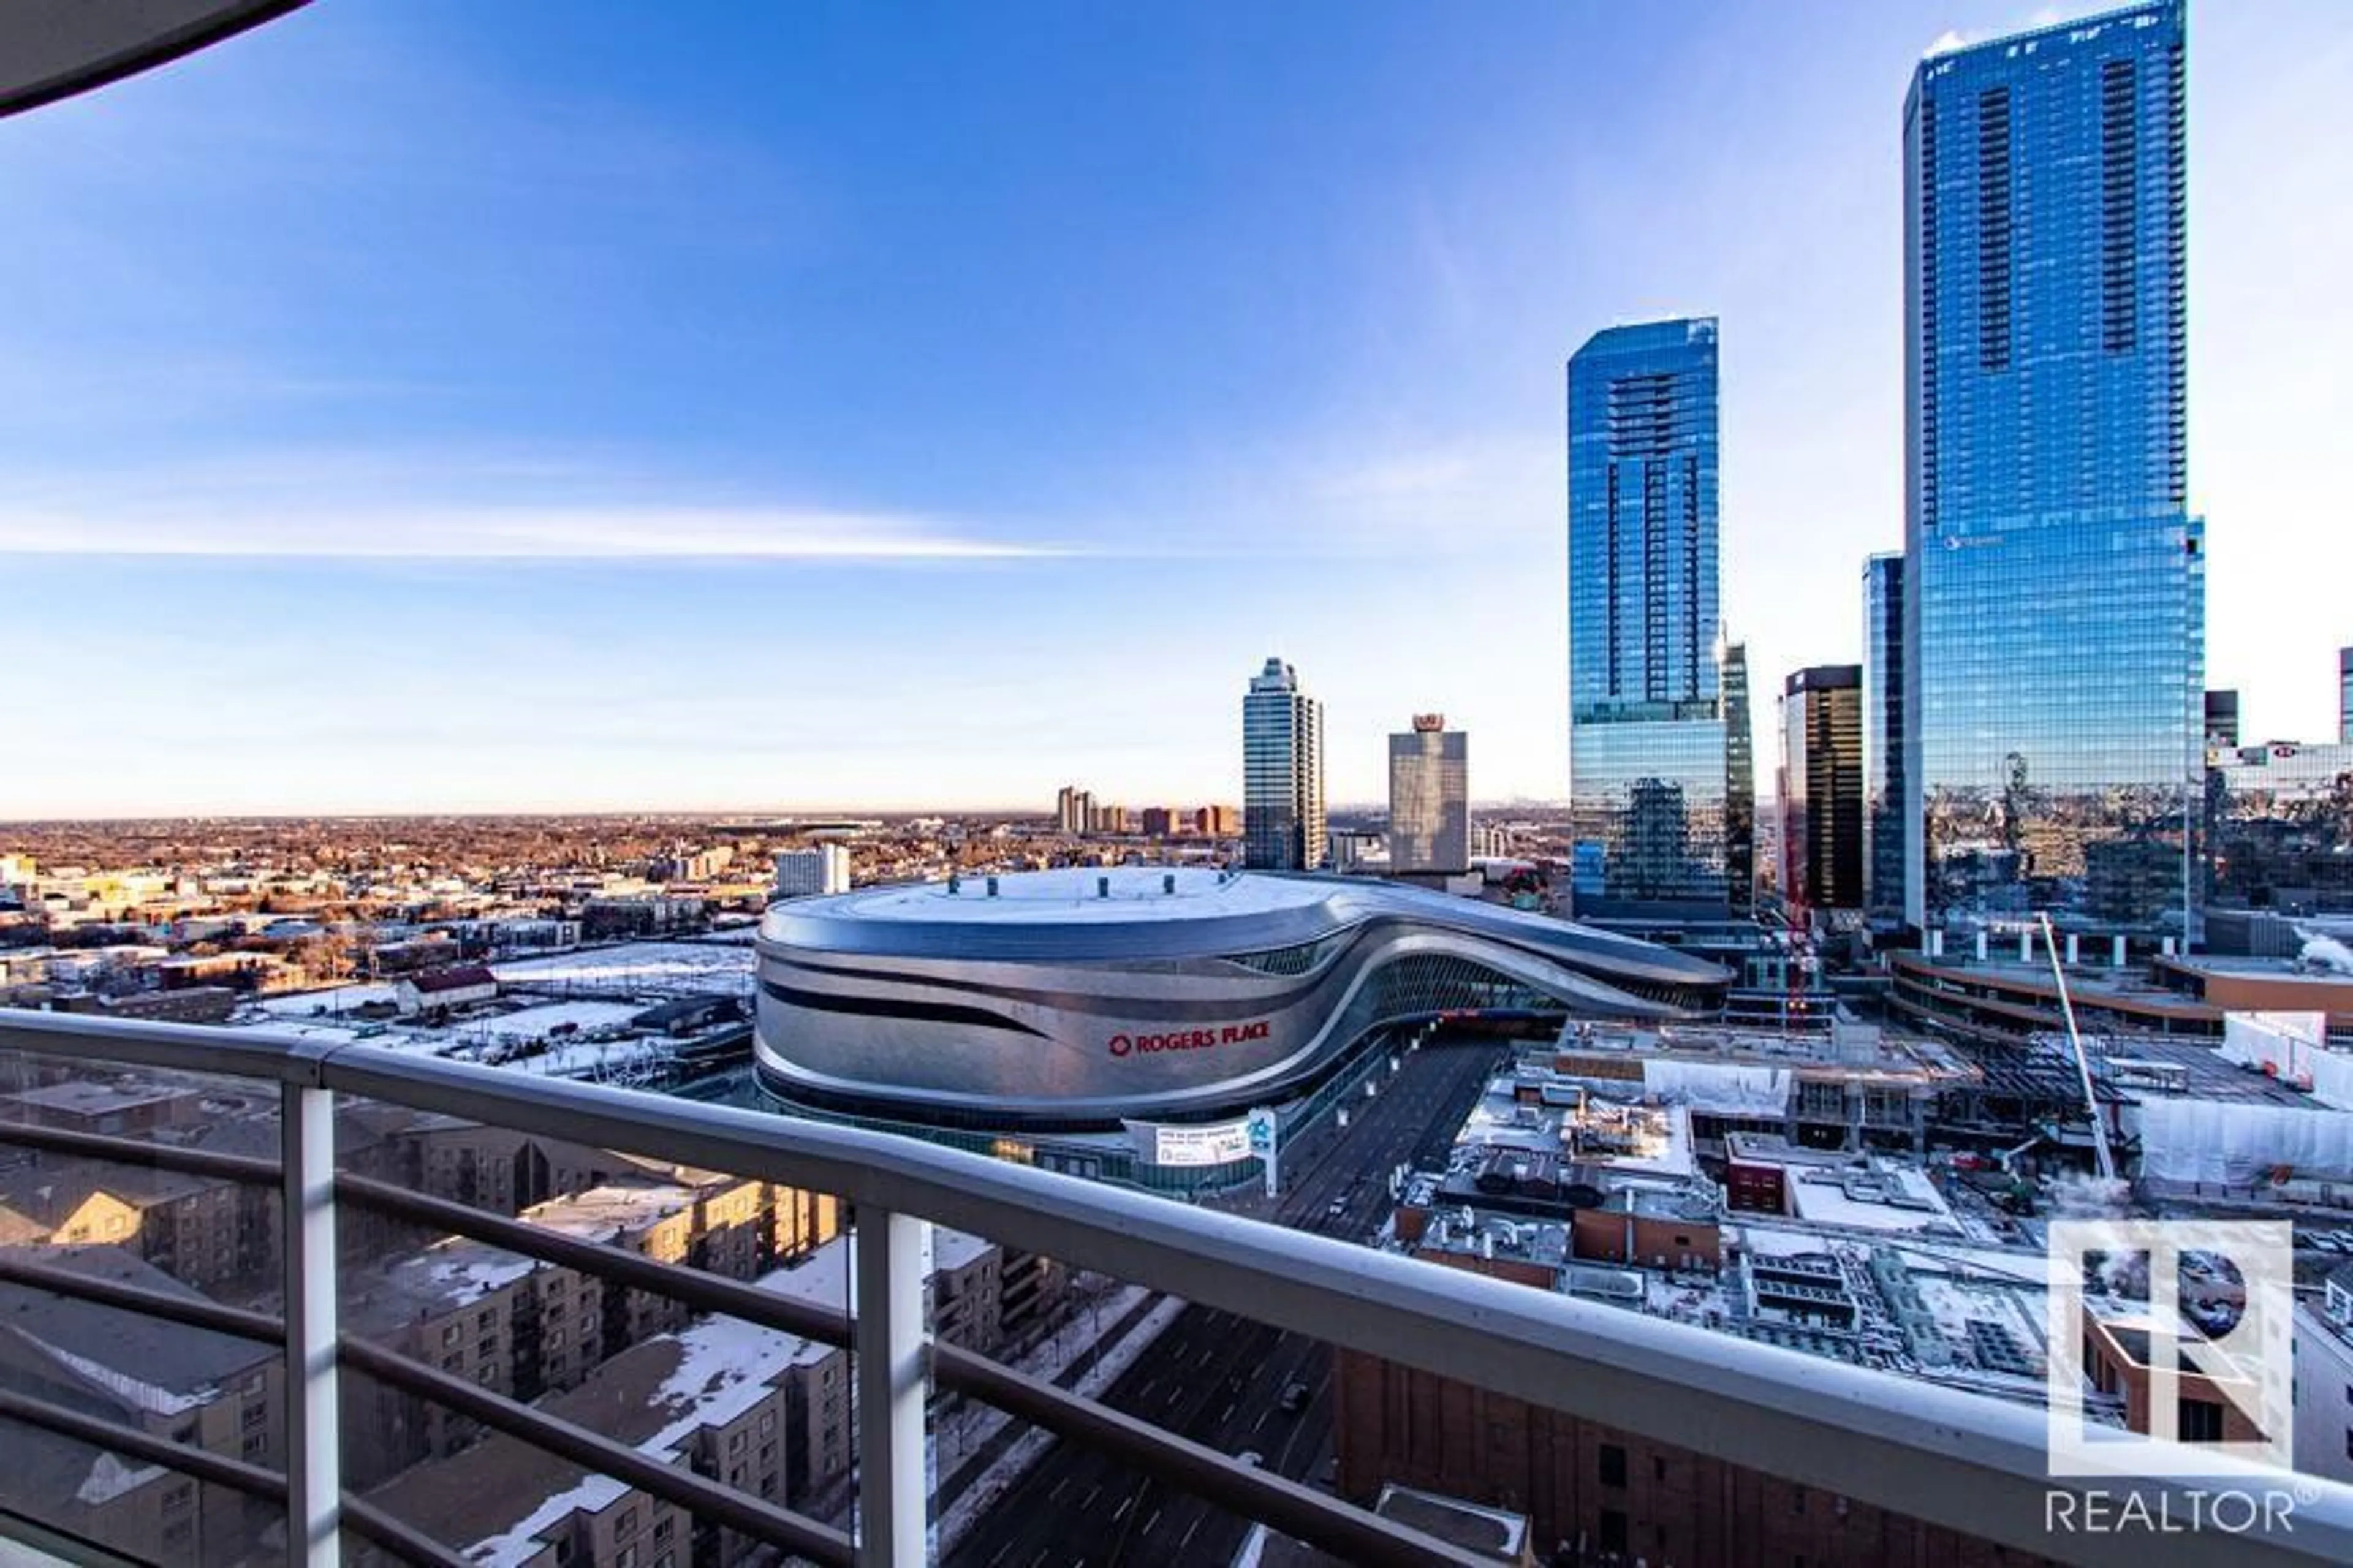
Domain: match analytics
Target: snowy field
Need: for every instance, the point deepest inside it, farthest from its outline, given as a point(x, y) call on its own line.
point(652, 970)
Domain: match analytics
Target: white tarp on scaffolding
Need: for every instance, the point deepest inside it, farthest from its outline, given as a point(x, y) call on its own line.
point(2291, 1047)
point(1725, 1089)
point(2232, 1143)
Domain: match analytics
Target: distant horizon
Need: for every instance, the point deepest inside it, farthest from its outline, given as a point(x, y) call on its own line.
point(474, 410)
point(754, 816)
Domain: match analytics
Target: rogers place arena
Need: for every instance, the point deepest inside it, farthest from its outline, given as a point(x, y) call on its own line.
point(1082, 998)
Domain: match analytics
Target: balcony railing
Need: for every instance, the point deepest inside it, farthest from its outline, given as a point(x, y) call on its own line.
point(1972, 1464)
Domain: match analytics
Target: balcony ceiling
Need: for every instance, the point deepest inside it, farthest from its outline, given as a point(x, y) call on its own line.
point(51, 50)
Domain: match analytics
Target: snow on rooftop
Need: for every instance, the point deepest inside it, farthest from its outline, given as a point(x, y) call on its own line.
point(725, 1368)
point(954, 1249)
point(2030, 1269)
point(1883, 1196)
point(526, 1538)
point(601, 1212)
point(147, 1396)
point(109, 1477)
point(1072, 893)
point(462, 1272)
point(826, 1276)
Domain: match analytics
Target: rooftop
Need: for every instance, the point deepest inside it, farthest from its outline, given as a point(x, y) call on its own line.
point(606, 1213)
point(91, 1096)
point(1072, 893)
point(502, 1497)
point(148, 1365)
point(447, 1277)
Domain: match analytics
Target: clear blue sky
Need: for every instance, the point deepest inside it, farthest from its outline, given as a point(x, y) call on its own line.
point(426, 405)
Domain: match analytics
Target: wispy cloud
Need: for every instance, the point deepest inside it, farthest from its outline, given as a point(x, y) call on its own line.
point(552, 534)
point(409, 506)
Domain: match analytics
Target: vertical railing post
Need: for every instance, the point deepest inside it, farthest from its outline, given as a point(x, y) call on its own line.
point(307, 1242)
point(889, 1338)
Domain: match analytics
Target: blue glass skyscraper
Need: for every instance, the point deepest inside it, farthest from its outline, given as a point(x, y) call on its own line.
point(1647, 734)
point(2055, 580)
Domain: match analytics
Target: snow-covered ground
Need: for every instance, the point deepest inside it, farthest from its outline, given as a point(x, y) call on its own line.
point(327, 1003)
point(651, 970)
point(572, 1038)
point(541, 1022)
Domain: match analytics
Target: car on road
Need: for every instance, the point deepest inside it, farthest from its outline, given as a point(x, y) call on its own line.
point(1294, 1400)
point(1335, 1208)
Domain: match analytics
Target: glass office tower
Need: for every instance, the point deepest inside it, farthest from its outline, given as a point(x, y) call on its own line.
point(1882, 742)
point(2055, 580)
point(1282, 774)
point(1822, 789)
point(1430, 797)
point(1647, 742)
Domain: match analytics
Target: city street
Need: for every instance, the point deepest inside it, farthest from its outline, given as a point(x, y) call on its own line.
point(1219, 1379)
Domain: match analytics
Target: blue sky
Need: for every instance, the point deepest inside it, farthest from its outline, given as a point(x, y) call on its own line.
point(418, 405)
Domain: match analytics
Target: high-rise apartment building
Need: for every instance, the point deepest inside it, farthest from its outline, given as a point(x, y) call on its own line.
point(1430, 797)
point(2345, 696)
point(1822, 788)
point(1648, 761)
point(807, 873)
point(2279, 837)
point(1282, 774)
point(2054, 582)
point(1883, 818)
point(1074, 811)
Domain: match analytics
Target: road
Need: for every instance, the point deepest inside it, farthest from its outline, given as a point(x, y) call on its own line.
point(1219, 1379)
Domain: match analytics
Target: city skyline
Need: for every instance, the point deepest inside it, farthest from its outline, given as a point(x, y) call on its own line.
point(608, 470)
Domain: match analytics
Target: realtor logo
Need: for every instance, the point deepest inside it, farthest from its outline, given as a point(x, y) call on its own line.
point(2184, 1331)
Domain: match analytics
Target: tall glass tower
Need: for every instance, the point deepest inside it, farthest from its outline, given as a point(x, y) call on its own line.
point(1647, 742)
point(2054, 581)
point(1430, 797)
point(1282, 774)
point(1884, 837)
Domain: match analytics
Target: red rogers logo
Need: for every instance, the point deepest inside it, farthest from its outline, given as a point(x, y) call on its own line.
point(1188, 1040)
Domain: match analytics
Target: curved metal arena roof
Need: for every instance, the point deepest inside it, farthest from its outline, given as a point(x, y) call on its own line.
point(1082, 914)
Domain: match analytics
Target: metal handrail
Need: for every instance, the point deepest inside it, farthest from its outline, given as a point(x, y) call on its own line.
point(1973, 1464)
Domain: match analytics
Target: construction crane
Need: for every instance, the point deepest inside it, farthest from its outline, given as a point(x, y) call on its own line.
point(2075, 1044)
